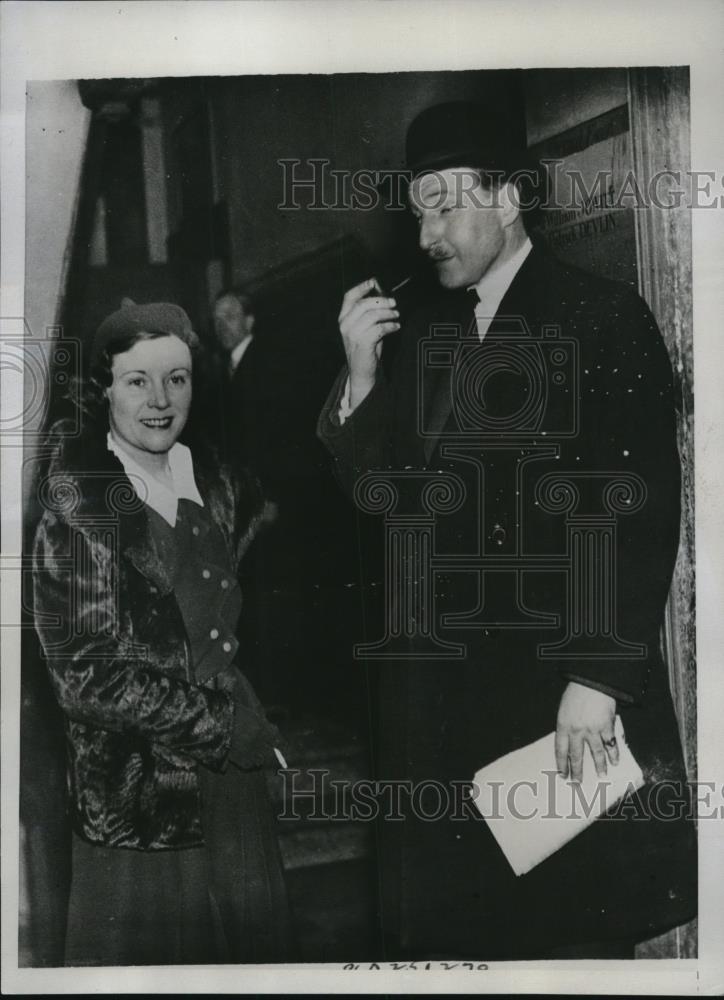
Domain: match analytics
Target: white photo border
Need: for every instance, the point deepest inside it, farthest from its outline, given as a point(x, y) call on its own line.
point(63, 40)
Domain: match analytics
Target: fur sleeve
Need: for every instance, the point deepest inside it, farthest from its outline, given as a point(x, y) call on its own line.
point(97, 677)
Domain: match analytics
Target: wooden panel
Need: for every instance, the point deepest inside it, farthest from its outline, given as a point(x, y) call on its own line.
point(660, 132)
point(587, 223)
point(659, 109)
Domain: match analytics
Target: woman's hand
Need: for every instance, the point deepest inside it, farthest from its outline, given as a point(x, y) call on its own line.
point(253, 737)
point(585, 716)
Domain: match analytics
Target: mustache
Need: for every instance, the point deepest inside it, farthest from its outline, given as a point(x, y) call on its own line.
point(437, 253)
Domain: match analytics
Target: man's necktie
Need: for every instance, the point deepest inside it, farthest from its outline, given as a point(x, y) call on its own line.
point(471, 301)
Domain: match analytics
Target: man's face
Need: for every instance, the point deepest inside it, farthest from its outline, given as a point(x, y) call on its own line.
point(460, 224)
point(231, 322)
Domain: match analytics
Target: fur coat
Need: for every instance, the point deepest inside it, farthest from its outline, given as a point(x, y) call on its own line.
point(137, 724)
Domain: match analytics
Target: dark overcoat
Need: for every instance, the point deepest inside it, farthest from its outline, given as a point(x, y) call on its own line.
point(139, 724)
point(606, 414)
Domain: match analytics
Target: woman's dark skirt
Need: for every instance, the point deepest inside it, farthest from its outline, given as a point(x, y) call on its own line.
point(224, 902)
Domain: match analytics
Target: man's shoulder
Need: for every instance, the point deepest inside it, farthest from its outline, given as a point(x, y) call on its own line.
point(604, 316)
point(555, 276)
point(558, 272)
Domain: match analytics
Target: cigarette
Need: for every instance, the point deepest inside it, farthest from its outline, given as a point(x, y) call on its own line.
point(401, 284)
point(280, 757)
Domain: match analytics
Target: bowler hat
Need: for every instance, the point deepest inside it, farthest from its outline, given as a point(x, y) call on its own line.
point(463, 134)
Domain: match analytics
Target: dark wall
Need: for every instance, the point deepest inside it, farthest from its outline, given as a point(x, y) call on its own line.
point(356, 121)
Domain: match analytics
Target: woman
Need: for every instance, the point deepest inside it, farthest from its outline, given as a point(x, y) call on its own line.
point(175, 858)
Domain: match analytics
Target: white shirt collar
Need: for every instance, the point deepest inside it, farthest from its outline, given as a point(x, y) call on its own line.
point(238, 352)
point(494, 284)
point(155, 493)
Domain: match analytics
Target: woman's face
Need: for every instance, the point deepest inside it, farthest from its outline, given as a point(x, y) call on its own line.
point(150, 396)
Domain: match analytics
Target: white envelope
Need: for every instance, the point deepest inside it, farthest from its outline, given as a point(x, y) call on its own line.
point(532, 811)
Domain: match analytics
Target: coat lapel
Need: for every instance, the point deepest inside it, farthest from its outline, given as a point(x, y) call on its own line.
point(138, 542)
point(107, 498)
point(436, 385)
point(439, 395)
point(437, 391)
point(144, 555)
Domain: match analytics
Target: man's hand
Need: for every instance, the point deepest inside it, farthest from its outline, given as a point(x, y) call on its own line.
point(585, 716)
point(364, 320)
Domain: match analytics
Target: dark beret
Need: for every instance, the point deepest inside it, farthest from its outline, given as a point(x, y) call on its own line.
point(463, 134)
point(155, 317)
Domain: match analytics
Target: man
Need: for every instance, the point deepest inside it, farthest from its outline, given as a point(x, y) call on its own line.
point(233, 324)
point(238, 372)
point(602, 413)
point(262, 400)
